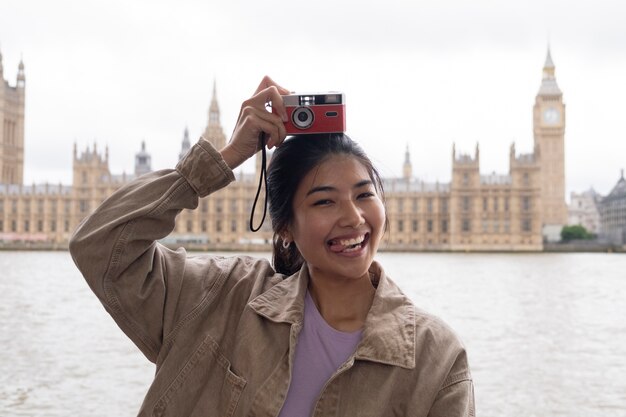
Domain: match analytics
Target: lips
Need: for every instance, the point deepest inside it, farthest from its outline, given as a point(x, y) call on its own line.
point(347, 245)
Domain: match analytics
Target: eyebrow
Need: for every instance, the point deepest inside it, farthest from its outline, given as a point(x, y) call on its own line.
point(323, 188)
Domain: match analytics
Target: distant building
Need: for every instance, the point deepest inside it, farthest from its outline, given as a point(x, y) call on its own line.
point(48, 213)
point(143, 161)
point(186, 145)
point(474, 212)
point(613, 214)
point(584, 211)
point(12, 122)
point(549, 139)
point(514, 211)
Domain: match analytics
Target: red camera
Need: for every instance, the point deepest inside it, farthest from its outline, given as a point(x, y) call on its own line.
point(315, 113)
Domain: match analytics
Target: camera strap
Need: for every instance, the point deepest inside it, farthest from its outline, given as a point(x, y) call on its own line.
point(262, 177)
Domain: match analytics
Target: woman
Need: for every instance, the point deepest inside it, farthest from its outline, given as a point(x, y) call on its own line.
point(324, 332)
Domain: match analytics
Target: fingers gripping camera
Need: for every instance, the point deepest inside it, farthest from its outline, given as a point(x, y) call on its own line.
point(315, 113)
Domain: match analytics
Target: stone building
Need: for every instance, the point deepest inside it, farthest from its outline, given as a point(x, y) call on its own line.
point(514, 211)
point(221, 220)
point(613, 214)
point(46, 214)
point(584, 210)
point(473, 212)
point(12, 122)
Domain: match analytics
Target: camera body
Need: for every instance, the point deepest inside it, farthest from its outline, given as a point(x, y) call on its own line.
point(315, 113)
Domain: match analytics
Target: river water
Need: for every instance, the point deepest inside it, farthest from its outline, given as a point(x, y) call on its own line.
point(546, 333)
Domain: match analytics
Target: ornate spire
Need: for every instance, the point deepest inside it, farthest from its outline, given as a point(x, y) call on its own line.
point(407, 168)
point(549, 87)
point(213, 132)
point(143, 161)
point(21, 78)
point(186, 145)
point(214, 108)
point(548, 67)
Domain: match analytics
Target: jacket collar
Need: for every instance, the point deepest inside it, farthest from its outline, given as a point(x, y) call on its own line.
point(389, 332)
point(284, 302)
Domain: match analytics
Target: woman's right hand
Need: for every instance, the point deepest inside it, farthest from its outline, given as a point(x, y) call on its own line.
point(253, 119)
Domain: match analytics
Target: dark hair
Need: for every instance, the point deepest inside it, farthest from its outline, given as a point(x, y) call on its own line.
point(290, 163)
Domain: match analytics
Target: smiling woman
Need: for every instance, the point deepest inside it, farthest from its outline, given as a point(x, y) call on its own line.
point(310, 186)
point(321, 332)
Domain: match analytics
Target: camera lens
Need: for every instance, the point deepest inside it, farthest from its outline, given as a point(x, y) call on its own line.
point(302, 117)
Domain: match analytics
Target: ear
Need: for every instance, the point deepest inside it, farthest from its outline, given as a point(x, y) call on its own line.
point(286, 235)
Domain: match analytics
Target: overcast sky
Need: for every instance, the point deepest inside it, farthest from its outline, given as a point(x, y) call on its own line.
point(416, 73)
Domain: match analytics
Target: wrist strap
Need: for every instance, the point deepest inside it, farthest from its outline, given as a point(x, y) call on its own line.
point(262, 177)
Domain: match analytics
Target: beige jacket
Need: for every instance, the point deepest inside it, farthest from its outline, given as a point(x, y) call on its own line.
point(222, 330)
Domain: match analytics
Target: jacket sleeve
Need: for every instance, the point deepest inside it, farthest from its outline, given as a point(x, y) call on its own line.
point(146, 287)
point(456, 395)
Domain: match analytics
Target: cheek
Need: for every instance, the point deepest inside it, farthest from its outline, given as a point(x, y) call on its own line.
point(379, 215)
point(310, 226)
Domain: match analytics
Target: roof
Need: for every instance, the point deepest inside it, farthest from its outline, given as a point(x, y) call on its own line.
point(619, 191)
point(414, 185)
point(549, 87)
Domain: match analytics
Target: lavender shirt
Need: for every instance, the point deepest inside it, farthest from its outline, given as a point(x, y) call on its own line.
point(319, 353)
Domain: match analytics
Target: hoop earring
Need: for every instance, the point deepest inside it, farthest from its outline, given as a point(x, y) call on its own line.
point(286, 244)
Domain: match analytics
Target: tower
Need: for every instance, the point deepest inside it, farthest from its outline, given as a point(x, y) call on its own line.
point(549, 137)
point(213, 132)
point(464, 192)
point(90, 168)
point(185, 146)
point(143, 161)
point(12, 122)
point(407, 169)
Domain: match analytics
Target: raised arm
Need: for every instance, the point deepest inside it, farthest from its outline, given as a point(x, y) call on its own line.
point(146, 287)
point(138, 281)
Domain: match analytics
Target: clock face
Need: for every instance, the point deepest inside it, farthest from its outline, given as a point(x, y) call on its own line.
point(551, 116)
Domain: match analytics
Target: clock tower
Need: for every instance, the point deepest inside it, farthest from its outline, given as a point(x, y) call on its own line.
point(549, 134)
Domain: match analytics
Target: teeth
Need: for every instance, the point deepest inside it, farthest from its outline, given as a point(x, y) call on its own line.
point(350, 242)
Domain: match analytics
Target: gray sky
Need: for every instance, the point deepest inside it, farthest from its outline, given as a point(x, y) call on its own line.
point(426, 74)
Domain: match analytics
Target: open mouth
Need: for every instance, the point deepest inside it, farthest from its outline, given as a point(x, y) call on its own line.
point(348, 245)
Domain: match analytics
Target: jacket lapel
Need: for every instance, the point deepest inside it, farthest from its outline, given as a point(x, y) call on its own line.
point(389, 333)
point(284, 302)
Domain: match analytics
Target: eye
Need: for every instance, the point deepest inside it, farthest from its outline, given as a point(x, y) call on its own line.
point(367, 194)
point(323, 202)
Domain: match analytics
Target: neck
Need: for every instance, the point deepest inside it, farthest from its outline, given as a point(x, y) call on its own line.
point(343, 303)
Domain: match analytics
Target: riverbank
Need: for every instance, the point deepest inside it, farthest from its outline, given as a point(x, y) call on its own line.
point(570, 247)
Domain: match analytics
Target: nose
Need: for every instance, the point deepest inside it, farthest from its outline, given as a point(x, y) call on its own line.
point(351, 215)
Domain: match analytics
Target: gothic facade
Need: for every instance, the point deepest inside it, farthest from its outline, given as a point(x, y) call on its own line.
point(12, 101)
point(516, 211)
